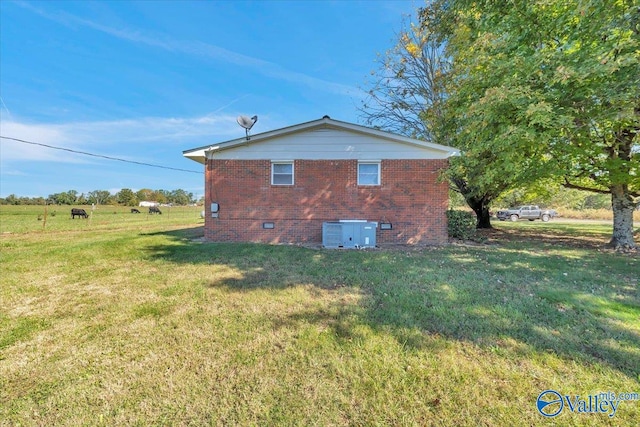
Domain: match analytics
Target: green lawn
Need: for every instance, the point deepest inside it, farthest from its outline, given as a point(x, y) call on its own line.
point(131, 319)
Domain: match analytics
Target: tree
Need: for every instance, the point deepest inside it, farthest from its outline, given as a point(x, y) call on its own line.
point(126, 197)
point(407, 91)
point(68, 198)
point(483, 112)
point(145, 194)
point(562, 80)
point(12, 199)
point(161, 196)
point(599, 81)
point(180, 197)
point(99, 197)
point(411, 95)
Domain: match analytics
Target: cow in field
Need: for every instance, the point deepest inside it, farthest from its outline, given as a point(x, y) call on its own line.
point(78, 212)
point(154, 210)
point(134, 210)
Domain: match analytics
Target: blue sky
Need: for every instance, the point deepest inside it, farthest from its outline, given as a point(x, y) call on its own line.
point(145, 80)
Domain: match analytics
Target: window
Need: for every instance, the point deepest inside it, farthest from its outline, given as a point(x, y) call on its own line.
point(282, 173)
point(369, 173)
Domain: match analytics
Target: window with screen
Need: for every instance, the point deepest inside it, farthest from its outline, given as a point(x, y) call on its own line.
point(369, 173)
point(282, 173)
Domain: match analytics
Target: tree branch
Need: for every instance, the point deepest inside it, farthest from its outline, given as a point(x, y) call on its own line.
point(568, 184)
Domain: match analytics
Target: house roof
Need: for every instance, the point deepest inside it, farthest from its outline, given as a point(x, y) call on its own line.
point(241, 145)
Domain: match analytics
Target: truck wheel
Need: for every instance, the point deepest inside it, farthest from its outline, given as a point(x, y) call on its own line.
point(545, 218)
point(513, 217)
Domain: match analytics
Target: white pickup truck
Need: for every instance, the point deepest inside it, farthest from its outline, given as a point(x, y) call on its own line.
point(530, 212)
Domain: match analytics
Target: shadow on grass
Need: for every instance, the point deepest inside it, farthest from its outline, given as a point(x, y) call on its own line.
point(576, 235)
point(581, 305)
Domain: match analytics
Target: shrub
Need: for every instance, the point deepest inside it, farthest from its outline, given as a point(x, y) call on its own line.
point(461, 224)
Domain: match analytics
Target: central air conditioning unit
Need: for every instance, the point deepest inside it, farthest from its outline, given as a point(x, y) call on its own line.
point(349, 234)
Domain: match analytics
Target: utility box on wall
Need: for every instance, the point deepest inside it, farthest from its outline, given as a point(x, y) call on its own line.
point(349, 234)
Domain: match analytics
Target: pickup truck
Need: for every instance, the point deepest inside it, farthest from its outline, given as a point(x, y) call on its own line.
point(530, 212)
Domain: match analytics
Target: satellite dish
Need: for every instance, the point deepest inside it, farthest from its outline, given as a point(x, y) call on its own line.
point(247, 123)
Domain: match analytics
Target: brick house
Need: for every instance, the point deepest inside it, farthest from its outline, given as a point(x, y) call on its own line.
point(281, 186)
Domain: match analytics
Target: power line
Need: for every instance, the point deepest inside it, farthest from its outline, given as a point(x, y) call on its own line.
point(98, 155)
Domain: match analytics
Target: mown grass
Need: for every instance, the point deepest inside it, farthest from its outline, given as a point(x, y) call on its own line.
point(138, 322)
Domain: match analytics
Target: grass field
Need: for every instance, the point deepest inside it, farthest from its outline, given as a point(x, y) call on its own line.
point(130, 319)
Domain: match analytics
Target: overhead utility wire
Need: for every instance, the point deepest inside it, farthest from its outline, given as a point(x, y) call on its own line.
point(98, 155)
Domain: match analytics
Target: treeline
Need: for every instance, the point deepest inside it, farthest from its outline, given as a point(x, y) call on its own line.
point(125, 197)
point(553, 198)
point(545, 195)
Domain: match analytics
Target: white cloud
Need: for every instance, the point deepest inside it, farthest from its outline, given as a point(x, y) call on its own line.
point(154, 129)
point(103, 137)
point(13, 173)
point(44, 134)
point(202, 50)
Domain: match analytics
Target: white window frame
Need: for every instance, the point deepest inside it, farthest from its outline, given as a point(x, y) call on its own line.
point(282, 162)
point(379, 177)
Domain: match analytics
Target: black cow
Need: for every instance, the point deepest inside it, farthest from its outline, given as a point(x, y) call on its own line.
point(78, 212)
point(154, 210)
point(134, 210)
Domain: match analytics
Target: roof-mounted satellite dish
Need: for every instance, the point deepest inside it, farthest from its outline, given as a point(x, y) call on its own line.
point(247, 123)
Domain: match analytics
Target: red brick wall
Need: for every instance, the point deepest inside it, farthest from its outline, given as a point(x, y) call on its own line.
point(410, 197)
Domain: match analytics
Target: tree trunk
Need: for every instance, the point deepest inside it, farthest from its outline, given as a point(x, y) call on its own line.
point(623, 206)
point(480, 206)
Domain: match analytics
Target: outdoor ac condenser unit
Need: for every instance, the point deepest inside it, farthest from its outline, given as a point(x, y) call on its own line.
point(349, 234)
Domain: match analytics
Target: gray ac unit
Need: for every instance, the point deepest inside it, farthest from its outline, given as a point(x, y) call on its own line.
point(349, 234)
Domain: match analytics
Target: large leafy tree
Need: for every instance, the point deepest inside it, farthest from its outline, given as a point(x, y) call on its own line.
point(559, 81)
point(596, 89)
point(99, 197)
point(145, 194)
point(127, 197)
point(180, 197)
point(66, 198)
point(489, 112)
point(410, 94)
point(407, 95)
